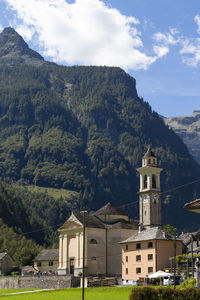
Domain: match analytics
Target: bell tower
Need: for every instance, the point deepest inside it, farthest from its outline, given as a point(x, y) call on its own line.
point(150, 193)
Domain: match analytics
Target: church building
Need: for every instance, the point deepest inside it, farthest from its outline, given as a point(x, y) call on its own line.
point(104, 230)
point(150, 248)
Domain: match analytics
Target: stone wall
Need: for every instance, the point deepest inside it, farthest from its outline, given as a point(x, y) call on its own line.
point(34, 282)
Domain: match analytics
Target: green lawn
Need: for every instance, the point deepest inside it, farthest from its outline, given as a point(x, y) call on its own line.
point(112, 293)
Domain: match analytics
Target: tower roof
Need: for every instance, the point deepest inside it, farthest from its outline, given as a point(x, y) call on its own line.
point(149, 153)
point(109, 209)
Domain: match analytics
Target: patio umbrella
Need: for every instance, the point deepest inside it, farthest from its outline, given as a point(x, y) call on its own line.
point(159, 274)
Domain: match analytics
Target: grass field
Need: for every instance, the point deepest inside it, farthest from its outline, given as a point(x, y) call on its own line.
point(53, 192)
point(115, 293)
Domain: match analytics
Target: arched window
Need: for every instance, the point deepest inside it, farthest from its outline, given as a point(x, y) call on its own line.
point(145, 181)
point(153, 181)
point(93, 241)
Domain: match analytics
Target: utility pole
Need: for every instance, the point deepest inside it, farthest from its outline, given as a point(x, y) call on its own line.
point(192, 240)
point(175, 261)
point(83, 271)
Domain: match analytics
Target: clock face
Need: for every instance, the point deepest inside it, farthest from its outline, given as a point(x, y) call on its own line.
point(155, 196)
point(145, 198)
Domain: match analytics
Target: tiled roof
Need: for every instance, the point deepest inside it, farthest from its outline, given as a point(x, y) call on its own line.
point(154, 233)
point(49, 254)
point(186, 237)
point(193, 205)
point(93, 221)
point(109, 209)
point(90, 220)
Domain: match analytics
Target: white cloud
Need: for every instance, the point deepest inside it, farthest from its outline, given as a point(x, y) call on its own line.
point(25, 31)
point(161, 50)
point(84, 32)
point(1, 27)
point(167, 38)
point(191, 48)
point(197, 20)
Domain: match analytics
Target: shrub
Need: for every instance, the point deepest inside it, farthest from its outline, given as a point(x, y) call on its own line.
point(190, 282)
point(15, 273)
point(147, 293)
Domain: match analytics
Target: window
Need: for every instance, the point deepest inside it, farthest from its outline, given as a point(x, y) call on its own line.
point(138, 257)
point(150, 256)
point(150, 269)
point(39, 264)
point(149, 161)
point(126, 258)
point(150, 245)
point(93, 241)
point(126, 270)
point(145, 181)
point(154, 181)
point(138, 270)
point(138, 246)
point(50, 263)
point(126, 247)
point(154, 161)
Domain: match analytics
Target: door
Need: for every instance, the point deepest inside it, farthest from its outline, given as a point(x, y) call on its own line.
point(72, 266)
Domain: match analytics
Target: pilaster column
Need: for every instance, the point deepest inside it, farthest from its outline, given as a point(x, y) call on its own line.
point(60, 251)
point(65, 252)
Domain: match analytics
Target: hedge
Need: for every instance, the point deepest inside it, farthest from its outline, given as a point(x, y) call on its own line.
point(149, 293)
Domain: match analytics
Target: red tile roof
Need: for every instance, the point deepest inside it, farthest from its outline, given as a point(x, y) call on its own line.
point(193, 205)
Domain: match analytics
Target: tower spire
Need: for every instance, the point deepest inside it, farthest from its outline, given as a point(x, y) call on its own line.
point(150, 193)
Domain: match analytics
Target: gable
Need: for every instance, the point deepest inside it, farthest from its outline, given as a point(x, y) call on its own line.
point(71, 223)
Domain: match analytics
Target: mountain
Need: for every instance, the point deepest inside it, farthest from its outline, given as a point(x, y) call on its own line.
point(188, 128)
point(83, 129)
point(13, 49)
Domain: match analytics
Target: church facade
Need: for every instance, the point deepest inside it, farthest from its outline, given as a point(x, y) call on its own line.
point(150, 248)
point(104, 230)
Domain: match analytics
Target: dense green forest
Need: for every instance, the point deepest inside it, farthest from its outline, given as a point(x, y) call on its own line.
point(83, 129)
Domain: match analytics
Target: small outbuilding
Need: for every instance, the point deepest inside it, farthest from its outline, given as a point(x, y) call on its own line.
point(6, 263)
point(47, 261)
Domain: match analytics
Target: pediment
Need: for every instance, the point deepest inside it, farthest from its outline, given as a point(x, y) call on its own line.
point(71, 223)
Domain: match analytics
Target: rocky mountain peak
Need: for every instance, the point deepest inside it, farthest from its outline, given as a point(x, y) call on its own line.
point(188, 128)
point(14, 48)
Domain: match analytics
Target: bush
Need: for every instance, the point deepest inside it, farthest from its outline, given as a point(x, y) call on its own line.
point(190, 282)
point(147, 293)
point(15, 273)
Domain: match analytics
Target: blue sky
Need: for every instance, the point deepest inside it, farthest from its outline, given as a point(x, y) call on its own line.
point(157, 42)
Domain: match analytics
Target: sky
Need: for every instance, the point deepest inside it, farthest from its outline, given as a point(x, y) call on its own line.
point(155, 41)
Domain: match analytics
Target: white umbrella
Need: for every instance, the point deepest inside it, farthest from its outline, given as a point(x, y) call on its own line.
point(159, 274)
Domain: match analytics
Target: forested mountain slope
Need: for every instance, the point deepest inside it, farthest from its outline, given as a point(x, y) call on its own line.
point(83, 129)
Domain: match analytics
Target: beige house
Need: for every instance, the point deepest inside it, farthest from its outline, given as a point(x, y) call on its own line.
point(6, 263)
point(150, 249)
point(47, 261)
point(147, 252)
point(104, 230)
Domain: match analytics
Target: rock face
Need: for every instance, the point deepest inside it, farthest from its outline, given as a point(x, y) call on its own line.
point(14, 49)
point(188, 128)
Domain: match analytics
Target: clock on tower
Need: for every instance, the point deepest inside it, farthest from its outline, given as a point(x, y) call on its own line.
point(150, 193)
